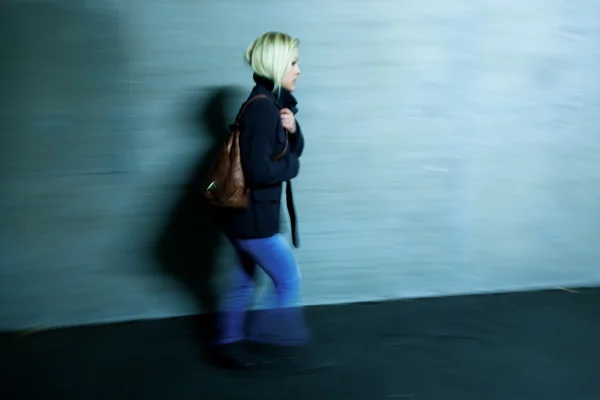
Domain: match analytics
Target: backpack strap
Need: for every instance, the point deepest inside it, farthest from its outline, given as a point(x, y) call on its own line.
point(245, 105)
point(236, 124)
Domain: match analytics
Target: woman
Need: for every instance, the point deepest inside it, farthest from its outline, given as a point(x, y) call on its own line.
point(268, 128)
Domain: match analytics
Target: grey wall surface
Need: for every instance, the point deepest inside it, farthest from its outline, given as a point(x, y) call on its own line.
point(452, 147)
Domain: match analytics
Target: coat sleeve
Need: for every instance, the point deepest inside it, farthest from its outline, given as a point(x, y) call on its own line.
point(257, 142)
point(297, 141)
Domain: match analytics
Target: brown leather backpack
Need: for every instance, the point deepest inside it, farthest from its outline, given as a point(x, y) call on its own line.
point(226, 184)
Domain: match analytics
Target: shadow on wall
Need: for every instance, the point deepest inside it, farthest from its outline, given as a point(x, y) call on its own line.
point(189, 245)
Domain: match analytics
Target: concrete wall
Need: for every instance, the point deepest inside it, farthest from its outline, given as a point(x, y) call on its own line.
point(452, 147)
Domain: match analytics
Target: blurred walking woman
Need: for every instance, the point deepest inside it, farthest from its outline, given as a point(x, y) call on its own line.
point(268, 128)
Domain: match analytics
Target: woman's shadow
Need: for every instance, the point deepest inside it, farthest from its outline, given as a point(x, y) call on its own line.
point(188, 246)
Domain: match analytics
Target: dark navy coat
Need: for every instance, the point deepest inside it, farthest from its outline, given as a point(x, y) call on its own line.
point(263, 137)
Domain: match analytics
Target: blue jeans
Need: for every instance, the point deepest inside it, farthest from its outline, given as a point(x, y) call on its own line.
point(281, 323)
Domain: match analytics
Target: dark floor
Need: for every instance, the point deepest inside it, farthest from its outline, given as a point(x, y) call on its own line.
point(534, 346)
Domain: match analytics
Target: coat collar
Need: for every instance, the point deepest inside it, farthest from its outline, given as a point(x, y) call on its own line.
point(285, 99)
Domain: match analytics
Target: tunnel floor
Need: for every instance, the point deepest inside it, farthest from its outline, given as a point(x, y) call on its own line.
point(533, 345)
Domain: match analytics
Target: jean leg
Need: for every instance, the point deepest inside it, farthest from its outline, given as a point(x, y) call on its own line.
point(235, 300)
point(284, 323)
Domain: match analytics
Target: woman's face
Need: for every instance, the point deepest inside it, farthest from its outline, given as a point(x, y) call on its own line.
point(289, 80)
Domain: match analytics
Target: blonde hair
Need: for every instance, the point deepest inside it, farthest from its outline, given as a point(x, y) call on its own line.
point(271, 54)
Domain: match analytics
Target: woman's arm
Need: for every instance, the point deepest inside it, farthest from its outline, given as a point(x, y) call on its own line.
point(257, 141)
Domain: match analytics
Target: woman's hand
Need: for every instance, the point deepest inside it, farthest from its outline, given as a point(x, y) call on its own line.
point(288, 120)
